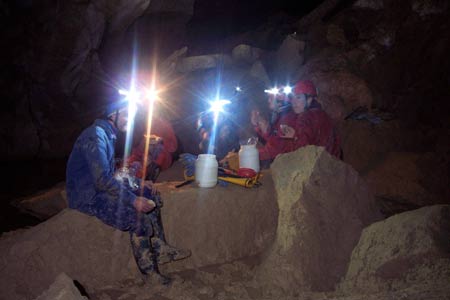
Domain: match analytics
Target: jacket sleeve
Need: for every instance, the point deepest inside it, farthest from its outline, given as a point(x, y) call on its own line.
point(103, 173)
point(304, 134)
point(274, 145)
point(263, 136)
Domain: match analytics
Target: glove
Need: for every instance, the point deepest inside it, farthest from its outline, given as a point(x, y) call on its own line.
point(188, 161)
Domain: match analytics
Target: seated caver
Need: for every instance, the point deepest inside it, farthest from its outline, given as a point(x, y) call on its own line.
point(94, 188)
point(270, 132)
point(312, 124)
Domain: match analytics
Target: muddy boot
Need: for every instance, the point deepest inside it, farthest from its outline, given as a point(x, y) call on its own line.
point(146, 260)
point(166, 253)
point(156, 278)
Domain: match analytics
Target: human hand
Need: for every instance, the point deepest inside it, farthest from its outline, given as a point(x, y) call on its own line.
point(254, 117)
point(144, 205)
point(263, 125)
point(287, 131)
point(149, 184)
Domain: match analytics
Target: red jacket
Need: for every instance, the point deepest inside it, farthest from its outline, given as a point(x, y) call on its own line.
point(275, 144)
point(315, 127)
point(163, 129)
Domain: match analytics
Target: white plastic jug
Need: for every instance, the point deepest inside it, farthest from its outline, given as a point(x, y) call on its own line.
point(249, 157)
point(206, 168)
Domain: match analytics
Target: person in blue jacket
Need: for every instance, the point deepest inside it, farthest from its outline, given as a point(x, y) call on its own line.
point(94, 188)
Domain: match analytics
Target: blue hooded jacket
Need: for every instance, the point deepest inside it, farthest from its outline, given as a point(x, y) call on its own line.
point(91, 186)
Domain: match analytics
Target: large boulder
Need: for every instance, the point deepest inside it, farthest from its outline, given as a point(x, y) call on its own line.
point(202, 62)
point(289, 56)
point(245, 54)
point(397, 180)
point(62, 289)
point(408, 249)
point(44, 204)
point(324, 205)
point(220, 224)
point(81, 246)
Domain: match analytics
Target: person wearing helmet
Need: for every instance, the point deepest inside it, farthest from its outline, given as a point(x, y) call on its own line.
point(93, 188)
point(270, 131)
point(162, 145)
point(312, 126)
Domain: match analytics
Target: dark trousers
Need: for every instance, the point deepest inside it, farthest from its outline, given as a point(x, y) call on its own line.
point(144, 252)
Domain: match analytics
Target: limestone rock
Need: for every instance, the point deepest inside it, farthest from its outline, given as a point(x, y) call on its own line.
point(183, 7)
point(289, 56)
point(369, 4)
point(220, 224)
point(397, 180)
point(426, 8)
point(169, 64)
point(245, 54)
point(353, 90)
point(333, 105)
point(202, 62)
point(62, 289)
point(45, 204)
point(120, 13)
point(336, 36)
point(83, 58)
point(258, 71)
point(324, 205)
point(81, 246)
point(364, 144)
point(404, 250)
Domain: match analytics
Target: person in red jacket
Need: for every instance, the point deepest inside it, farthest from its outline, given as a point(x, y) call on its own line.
point(163, 145)
point(270, 131)
point(312, 126)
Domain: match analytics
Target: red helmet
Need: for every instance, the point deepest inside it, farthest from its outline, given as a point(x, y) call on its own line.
point(305, 87)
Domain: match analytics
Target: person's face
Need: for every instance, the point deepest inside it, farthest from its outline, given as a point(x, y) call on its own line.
point(298, 103)
point(122, 121)
point(273, 105)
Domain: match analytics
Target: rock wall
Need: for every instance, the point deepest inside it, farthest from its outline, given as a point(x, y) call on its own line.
point(324, 205)
point(408, 249)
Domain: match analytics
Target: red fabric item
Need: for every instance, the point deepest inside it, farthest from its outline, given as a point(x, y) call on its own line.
point(305, 87)
point(164, 130)
point(275, 144)
point(314, 127)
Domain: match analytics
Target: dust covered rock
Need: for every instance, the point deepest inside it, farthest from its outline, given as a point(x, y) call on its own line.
point(324, 205)
point(44, 204)
point(220, 224)
point(62, 289)
point(81, 246)
point(408, 249)
point(397, 182)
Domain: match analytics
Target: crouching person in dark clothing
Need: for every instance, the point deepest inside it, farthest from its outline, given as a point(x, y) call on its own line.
point(93, 188)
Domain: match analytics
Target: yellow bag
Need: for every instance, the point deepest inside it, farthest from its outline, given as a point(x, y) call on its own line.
point(231, 161)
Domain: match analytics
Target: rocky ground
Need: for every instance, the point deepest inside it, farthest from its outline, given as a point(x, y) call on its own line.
point(313, 232)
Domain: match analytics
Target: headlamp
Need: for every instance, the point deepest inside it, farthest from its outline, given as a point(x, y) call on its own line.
point(217, 105)
point(272, 91)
